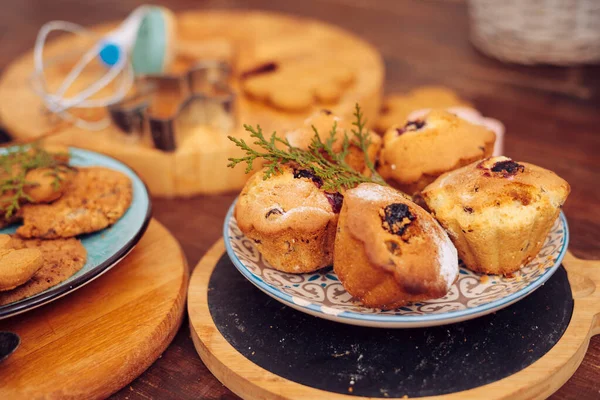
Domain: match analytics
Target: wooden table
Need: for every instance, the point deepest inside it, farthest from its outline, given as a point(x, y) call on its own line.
point(552, 117)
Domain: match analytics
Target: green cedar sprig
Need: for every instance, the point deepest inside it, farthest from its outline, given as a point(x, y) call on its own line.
point(320, 157)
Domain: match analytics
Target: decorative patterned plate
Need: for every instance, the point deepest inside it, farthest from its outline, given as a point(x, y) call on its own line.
point(322, 295)
point(104, 248)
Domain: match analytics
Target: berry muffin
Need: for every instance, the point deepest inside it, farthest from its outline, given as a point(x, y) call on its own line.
point(323, 121)
point(389, 251)
point(497, 212)
point(414, 155)
point(291, 220)
point(398, 107)
point(475, 117)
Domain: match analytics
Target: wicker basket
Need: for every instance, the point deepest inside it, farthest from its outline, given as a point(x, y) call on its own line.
point(558, 32)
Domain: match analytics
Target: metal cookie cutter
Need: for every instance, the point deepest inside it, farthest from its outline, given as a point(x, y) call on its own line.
point(167, 108)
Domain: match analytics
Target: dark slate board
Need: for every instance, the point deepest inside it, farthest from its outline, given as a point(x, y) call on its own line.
point(383, 363)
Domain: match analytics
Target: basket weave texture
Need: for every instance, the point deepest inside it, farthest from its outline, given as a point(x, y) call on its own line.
point(561, 32)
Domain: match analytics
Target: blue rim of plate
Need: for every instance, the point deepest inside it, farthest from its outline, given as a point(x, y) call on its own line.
point(390, 319)
point(60, 290)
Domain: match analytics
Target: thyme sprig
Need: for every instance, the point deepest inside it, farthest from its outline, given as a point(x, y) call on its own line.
point(14, 166)
point(319, 157)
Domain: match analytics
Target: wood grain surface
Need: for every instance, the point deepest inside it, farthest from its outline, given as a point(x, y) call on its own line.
point(199, 164)
point(99, 338)
point(551, 115)
point(537, 381)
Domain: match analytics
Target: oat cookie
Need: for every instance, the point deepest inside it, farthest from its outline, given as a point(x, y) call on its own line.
point(17, 266)
point(61, 259)
point(96, 198)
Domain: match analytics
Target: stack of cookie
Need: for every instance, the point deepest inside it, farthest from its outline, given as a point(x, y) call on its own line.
point(56, 203)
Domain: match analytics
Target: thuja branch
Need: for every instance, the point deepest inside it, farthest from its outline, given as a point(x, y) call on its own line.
point(319, 157)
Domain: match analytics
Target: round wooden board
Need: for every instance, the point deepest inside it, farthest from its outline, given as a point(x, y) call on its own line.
point(199, 164)
point(537, 381)
point(96, 340)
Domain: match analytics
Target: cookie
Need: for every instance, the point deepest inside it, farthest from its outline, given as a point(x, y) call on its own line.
point(17, 266)
point(47, 184)
point(96, 198)
point(298, 86)
point(61, 259)
point(397, 107)
point(38, 184)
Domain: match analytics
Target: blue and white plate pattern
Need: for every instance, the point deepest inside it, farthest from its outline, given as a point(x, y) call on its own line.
point(321, 294)
point(104, 248)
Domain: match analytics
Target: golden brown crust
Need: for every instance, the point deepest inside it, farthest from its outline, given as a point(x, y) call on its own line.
point(415, 154)
point(96, 198)
point(385, 265)
point(290, 219)
point(323, 121)
point(61, 259)
point(497, 212)
point(17, 266)
point(44, 190)
point(397, 107)
point(301, 85)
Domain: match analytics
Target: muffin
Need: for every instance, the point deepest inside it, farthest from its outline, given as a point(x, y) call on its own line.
point(323, 121)
point(389, 251)
point(498, 212)
point(398, 107)
point(475, 117)
point(291, 220)
point(414, 155)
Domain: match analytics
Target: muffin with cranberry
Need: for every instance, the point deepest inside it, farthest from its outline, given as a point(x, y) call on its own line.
point(415, 154)
point(498, 212)
point(389, 251)
point(323, 122)
point(291, 220)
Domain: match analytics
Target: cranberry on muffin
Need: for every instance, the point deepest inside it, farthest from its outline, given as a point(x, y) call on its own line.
point(498, 212)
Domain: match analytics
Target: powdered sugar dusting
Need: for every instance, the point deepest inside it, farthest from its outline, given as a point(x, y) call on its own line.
point(369, 192)
point(447, 254)
point(448, 259)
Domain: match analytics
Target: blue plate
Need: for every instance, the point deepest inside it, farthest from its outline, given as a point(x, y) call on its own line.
point(104, 248)
point(322, 295)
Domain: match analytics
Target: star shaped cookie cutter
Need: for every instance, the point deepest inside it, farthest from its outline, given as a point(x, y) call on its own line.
point(167, 108)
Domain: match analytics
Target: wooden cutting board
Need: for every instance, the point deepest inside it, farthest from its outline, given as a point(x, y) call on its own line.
point(96, 340)
point(261, 349)
point(200, 164)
